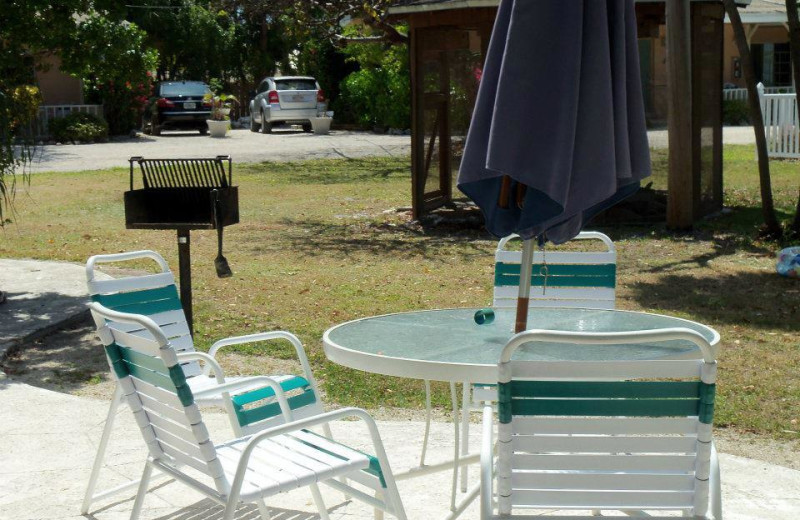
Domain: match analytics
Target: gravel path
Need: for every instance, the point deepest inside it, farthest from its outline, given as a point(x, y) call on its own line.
point(244, 146)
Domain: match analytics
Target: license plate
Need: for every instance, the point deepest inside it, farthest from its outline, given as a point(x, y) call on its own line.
point(189, 106)
point(298, 97)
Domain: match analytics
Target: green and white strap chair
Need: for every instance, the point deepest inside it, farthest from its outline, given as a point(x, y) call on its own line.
point(630, 436)
point(249, 469)
point(252, 403)
point(573, 279)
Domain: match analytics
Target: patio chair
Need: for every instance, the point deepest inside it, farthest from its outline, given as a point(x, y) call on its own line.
point(583, 279)
point(244, 470)
point(252, 403)
point(630, 436)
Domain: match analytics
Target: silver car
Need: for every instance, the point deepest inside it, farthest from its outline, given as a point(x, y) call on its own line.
point(290, 100)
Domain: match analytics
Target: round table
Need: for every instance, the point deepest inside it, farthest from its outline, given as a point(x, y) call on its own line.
point(447, 344)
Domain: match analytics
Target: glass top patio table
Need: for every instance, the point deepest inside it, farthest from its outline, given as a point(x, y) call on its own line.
point(447, 344)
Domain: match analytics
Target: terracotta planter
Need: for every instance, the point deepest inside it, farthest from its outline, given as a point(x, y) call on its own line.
point(217, 128)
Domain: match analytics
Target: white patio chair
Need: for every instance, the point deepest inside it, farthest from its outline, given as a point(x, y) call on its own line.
point(630, 436)
point(252, 403)
point(243, 470)
point(582, 279)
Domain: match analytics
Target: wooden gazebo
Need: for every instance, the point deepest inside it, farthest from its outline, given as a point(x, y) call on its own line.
point(681, 48)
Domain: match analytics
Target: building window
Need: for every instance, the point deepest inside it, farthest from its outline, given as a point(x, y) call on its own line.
point(772, 64)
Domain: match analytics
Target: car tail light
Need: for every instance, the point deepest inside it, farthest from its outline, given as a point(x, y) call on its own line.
point(165, 103)
point(320, 96)
point(272, 97)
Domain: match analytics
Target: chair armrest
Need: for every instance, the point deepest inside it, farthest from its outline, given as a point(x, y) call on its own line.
point(267, 336)
point(487, 463)
point(226, 388)
point(317, 420)
point(210, 362)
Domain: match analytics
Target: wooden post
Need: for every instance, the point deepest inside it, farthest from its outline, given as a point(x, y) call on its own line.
point(185, 273)
point(681, 185)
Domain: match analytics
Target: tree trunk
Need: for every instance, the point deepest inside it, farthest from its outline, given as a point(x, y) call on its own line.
point(794, 48)
point(771, 226)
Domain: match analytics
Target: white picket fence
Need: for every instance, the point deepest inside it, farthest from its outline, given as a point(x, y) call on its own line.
point(49, 112)
point(741, 93)
point(781, 124)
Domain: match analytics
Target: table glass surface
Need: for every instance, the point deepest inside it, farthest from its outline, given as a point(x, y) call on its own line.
point(452, 336)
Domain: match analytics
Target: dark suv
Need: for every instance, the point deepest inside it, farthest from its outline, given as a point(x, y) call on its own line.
point(177, 105)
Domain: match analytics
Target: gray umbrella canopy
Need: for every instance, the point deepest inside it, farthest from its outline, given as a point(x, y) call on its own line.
point(558, 132)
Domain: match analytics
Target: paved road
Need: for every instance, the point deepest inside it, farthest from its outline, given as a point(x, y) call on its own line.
point(247, 147)
point(244, 146)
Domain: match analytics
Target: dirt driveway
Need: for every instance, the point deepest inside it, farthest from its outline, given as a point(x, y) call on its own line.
point(244, 146)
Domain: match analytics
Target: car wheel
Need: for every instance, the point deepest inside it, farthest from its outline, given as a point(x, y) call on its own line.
point(155, 129)
point(266, 126)
point(203, 131)
point(147, 128)
point(254, 127)
point(307, 127)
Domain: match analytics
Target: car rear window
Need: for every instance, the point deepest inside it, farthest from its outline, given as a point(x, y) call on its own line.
point(295, 84)
point(184, 89)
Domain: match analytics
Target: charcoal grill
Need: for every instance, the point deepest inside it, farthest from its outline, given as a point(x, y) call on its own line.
point(184, 194)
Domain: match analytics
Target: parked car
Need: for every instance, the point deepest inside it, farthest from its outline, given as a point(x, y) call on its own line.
point(177, 105)
point(290, 100)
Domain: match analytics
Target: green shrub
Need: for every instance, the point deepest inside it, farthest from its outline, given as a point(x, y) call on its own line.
point(378, 94)
point(80, 127)
point(735, 112)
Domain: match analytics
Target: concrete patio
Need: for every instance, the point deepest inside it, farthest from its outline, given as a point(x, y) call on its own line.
point(49, 439)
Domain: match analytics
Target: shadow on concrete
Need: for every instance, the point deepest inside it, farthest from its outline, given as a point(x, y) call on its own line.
point(63, 361)
point(207, 509)
point(26, 316)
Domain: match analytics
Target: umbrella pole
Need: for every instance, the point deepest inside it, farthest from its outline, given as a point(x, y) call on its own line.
point(525, 269)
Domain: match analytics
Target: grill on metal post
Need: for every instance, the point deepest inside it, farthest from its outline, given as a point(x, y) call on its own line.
point(184, 194)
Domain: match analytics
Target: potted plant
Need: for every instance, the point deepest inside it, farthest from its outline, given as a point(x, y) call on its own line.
point(221, 106)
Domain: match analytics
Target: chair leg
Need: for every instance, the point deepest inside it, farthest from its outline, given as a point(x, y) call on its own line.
point(142, 491)
point(379, 512)
point(715, 487)
point(323, 511)
point(101, 450)
point(427, 423)
point(465, 406)
point(264, 510)
point(456, 444)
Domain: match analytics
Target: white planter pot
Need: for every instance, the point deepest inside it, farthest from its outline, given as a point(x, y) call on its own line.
point(217, 128)
point(321, 125)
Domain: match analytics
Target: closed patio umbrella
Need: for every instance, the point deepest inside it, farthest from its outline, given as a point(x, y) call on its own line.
point(558, 131)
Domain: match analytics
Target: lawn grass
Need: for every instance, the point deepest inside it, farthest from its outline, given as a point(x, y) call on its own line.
point(320, 243)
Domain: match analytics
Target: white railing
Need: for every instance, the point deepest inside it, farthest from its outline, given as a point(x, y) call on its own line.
point(730, 94)
point(741, 93)
point(781, 124)
point(49, 112)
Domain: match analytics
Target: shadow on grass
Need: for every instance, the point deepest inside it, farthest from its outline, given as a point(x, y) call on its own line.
point(385, 239)
point(331, 171)
point(760, 300)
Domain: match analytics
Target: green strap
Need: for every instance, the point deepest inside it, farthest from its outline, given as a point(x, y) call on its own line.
point(374, 467)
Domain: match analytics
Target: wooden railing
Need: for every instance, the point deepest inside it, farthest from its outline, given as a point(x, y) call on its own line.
point(781, 124)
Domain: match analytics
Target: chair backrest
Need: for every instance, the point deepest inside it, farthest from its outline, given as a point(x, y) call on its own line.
point(623, 435)
point(152, 295)
point(146, 366)
point(573, 279)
